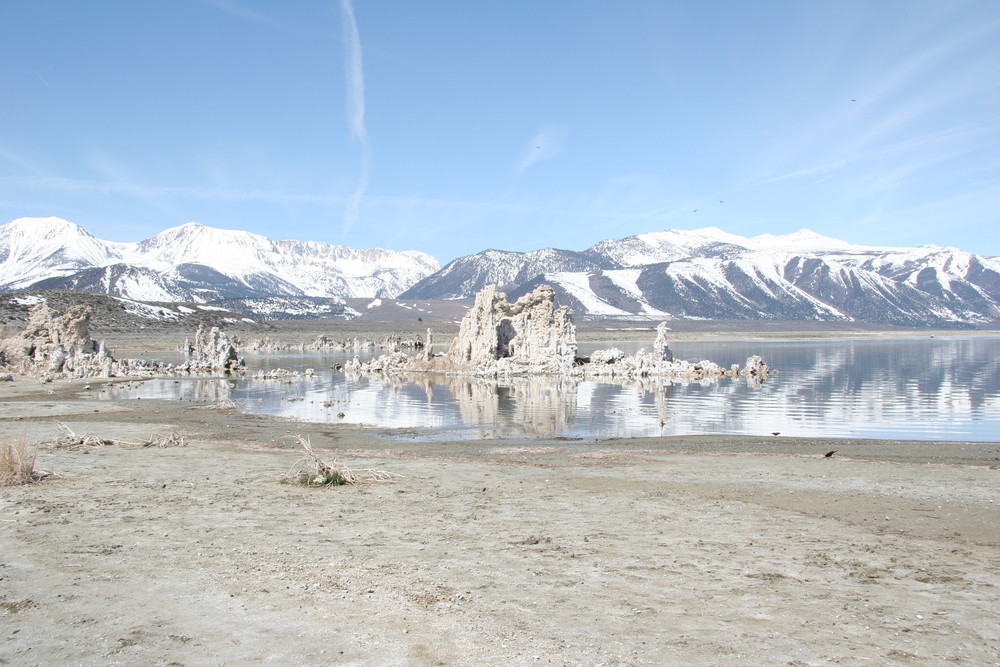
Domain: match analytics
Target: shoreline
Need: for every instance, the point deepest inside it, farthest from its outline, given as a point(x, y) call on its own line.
point(682, 549)
point(68, 392)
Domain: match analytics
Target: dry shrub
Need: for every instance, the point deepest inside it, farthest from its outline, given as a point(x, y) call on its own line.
point(313, 470)
point(17, 464)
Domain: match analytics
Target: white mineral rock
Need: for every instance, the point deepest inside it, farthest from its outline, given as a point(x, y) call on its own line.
point(533, 336)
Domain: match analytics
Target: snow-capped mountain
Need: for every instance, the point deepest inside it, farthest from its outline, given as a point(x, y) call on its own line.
point(711, 274)
point(198, 263)
point(703, 273)
point(35, 248)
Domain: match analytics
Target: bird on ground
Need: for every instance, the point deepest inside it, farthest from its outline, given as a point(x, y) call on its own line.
point(829, 454)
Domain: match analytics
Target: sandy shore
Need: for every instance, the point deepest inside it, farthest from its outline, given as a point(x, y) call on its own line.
point(691, 550)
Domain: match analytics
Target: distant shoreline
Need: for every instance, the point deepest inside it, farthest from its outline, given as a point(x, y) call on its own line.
point(166, 336)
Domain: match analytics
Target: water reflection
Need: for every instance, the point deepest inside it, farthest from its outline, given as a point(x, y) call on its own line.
point(908, 388)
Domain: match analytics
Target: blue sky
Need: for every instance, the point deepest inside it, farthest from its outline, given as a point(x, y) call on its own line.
point(452, 126)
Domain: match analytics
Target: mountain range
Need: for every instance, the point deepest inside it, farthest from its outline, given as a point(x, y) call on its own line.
point(711, 274)
point(697, 274)
point(202, 264)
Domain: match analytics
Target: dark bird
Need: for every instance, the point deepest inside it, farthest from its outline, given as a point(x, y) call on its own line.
point(829, 454)
point(695, 211)
point(776, 433)
point(722, 201)
point(854, 100)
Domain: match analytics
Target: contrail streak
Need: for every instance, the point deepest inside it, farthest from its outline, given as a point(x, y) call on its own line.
point(355, 109)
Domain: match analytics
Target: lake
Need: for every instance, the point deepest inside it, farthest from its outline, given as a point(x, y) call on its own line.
point(940, 388)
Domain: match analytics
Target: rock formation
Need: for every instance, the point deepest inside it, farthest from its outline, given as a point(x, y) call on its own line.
point(212, 350)
point(54, 346)
point(326, 344)
point(660, 347)
point(533, 336)
point(497, 337)
point(530, 334)
point(756, 371)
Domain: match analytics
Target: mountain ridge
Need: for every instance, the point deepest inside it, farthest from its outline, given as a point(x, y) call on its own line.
point(712, 274)
point(696, 274)
point(194, 262)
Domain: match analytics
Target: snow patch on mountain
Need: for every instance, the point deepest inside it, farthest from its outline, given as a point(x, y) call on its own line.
point(577, 285)
point(626, 281)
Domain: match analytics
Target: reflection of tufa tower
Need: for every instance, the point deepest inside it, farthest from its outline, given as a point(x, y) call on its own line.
point(543, 405)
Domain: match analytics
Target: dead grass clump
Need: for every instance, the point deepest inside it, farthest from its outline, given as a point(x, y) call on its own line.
point(165, 440)
point(70, 440)
point(313, 470)
point(17, 464)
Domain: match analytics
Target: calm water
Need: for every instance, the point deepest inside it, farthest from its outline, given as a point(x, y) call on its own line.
point(914, 388)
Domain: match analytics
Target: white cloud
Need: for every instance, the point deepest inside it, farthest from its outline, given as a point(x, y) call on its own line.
point(546, 144)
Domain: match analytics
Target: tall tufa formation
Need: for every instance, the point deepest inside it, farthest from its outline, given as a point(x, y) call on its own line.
point(212, 350)
point(529, 334)
point(56, 345)
point(497, 337)
point(660, 347)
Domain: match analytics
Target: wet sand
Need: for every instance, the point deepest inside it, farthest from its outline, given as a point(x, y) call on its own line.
point(684, 550)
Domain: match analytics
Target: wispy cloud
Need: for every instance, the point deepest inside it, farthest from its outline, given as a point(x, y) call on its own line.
point(546, 144)
point(19, 161)
point(238, 10)
point(903, 97)
point(91, 186)
point(95, 186)
point(905, 156)
point(355, 110)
